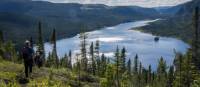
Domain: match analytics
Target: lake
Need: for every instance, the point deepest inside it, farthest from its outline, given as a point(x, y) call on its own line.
point(134, 41)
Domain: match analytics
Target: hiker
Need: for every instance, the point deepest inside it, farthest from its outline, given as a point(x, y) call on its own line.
point(38, 59)
point(27, 54)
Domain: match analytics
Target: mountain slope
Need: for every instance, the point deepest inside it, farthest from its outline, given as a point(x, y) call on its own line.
point(66, 18)
point(168, 10)
point(179, 25)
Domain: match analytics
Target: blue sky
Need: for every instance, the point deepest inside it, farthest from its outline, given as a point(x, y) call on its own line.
point(143, 3)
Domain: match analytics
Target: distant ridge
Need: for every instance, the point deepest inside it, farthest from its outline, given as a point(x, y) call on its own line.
point(18, 18)
point(179, 25)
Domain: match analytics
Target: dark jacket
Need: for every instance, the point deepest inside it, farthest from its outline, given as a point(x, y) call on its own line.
point(27, 54)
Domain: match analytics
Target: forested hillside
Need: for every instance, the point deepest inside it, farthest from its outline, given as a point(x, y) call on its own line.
point(40, 21)
point(19, 18)
point(92, 69)
point(178, 25)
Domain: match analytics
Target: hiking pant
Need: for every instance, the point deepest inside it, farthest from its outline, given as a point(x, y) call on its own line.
point(28, 68)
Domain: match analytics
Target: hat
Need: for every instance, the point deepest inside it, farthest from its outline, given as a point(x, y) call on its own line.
point(27, 41)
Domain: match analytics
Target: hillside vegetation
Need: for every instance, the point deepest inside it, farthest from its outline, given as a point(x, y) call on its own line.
point(19, 18)
point(92, 69)
point(179, 25)
point(12, 75)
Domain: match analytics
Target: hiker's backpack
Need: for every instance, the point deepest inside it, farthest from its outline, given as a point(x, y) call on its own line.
point(27, 53)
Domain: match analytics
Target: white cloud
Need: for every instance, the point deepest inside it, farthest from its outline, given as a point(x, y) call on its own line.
point(143, 3)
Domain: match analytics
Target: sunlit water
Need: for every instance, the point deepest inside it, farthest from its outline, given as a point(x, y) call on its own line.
point(134, 41)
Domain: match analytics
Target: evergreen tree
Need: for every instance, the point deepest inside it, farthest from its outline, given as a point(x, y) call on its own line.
point(110, 76)
point(123, 60)
point(135, 70)
point(54, 52)
point(84, 59)
point(149, 75)
point(64, 61)
point(129, 67)
point(190, 71)
point(92, 59)
point(31, 42)
point(196, 43)
point(78, 70)
point(48, 61)
point(144, 77)
point(40, 42)
point(117, 57)
point(103, 64)
point(97, 48)
point(1, 37)
point(97, 56)
point(161, 72)
point(139, 75)
point(178, 66)
point(1, 45)
point(136, 75)
point(153, 79)
point(170, 77)
point(70, 60)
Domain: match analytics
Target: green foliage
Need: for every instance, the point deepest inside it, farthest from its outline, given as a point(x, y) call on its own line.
point(54, 56)
point(183, 73)
point(19, 21)
point(83, 50)
point(10, 84)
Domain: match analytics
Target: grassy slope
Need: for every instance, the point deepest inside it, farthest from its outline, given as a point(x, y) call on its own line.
point(12, 75)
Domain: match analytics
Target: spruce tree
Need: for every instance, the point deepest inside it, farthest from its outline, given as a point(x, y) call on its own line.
point(171, 77)
point(48, 61)
point(78, 70)
point(136, 76)
point(110, 76)
point(161, 67)
point(64, 61)
point(117, 61)
point(129, 67)
point(1, 37)
point(178, 62)
point(195, 41)
point(54, 52)
point(139, 79)
point(1, 45)
point(70, 60)
point(40, 42)
point(97, 56)
point(190, 73)
point(144, 77)
point(149, 75)
point(92, 59)
point(103, 64)
point(97, 44)
point(84, 59)
point(161, 72)
point(135, 70)
point(123, 60)
point(31, 42)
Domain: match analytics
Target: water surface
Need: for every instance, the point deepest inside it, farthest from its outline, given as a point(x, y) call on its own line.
point(134, 41)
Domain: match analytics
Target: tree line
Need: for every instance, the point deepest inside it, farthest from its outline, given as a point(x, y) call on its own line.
point(119, 71)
